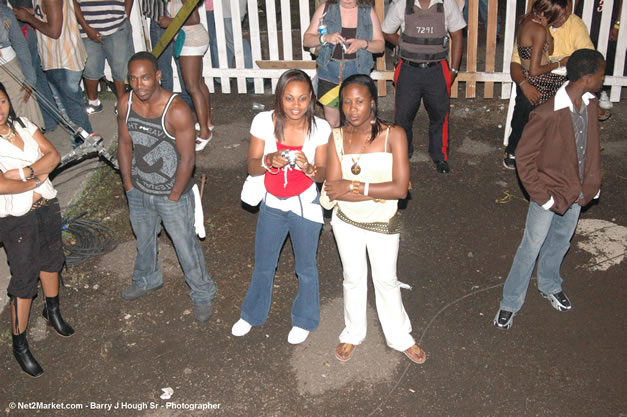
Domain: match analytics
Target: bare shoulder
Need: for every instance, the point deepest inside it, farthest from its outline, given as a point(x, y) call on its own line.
point(179, 113)
point(123, 103)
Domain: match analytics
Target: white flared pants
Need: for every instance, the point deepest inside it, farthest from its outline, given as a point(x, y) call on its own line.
point(356, 246)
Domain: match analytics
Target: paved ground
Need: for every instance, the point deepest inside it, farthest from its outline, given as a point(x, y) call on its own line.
point(459, 235)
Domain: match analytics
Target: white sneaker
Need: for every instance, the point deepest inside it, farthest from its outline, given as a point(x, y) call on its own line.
point(297, 335)
point(240, 328)
point(604, 101)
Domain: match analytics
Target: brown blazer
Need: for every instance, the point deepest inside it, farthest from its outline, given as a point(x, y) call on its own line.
point(546, 157)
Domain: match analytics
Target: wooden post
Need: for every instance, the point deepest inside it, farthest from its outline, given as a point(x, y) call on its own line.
point(381, 84)
point(490, 51)
point(471, 54)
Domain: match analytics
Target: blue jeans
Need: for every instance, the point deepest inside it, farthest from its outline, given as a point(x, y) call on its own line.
point(42, 86)
point(546, 238)
point(165, 64)
point(65, 85)
point(147, 211)
point(273, 226)
point(117, 48)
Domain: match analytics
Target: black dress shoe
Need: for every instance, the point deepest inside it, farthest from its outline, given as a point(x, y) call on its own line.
point(442, 167)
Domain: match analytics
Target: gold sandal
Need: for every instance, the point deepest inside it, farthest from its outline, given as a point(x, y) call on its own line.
point(416, 354)
point(344, 351)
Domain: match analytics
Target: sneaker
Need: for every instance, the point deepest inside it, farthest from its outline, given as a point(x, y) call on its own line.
point(297, 335)
point(202, 312)
point(240, 328)
point(604, 101)
point(131, 292)
point(559, 301)
point(504, 319)
point(92, 109)
point(509, 161)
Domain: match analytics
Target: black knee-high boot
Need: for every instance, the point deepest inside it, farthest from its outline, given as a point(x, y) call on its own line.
point(52, 313)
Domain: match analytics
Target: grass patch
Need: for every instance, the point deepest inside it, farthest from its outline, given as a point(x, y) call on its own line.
point(103, 200)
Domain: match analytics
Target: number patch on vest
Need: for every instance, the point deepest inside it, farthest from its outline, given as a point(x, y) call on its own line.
point(424, 29)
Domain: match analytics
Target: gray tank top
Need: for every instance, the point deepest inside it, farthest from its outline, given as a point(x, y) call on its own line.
point(155, 157)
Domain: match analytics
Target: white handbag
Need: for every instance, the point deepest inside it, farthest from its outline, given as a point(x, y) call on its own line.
point(253, 190)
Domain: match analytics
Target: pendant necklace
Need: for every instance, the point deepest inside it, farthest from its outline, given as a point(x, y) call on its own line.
point(9, 136)
point(356, 169)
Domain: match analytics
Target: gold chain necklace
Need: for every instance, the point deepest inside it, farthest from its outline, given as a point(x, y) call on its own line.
point(355, 169)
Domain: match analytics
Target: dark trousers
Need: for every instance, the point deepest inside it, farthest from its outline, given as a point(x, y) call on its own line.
point(431, 85)
point(520, 117)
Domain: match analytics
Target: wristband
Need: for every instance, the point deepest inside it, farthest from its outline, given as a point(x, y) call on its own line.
point(37, 182)
point(21, 171)
point(366, 188)
point(367, 44)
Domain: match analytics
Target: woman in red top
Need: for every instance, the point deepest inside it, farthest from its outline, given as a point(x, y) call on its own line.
point(287, 145)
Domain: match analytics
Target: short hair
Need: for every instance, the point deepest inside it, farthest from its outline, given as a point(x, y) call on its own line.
point(144, 56)
point(583, 62)
point(552, 9)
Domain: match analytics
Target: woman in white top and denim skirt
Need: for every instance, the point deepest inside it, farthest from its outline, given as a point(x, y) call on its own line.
point(288, 146)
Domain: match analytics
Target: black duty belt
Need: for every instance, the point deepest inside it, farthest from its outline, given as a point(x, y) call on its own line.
point(422, 64)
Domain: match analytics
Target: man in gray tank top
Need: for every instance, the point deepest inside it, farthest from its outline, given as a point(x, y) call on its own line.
point(156, 155)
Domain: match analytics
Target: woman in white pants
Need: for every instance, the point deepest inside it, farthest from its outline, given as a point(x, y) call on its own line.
point(368, 171)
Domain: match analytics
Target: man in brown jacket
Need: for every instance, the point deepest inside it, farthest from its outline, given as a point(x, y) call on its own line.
point(560, 166)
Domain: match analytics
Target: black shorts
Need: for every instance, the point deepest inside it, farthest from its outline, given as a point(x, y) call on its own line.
point(33, 244)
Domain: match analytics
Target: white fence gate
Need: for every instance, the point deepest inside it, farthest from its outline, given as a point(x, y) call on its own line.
point(282, 41)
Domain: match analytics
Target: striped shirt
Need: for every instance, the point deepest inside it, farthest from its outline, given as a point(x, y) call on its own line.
point(105, 16)
point(67, 52)
point(153, 9)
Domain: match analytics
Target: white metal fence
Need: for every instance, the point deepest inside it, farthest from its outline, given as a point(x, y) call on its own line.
point(273, 40)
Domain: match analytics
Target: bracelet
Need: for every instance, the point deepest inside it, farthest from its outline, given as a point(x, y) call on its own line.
point(366, 188)
point(354, 187)
point(21, 171)
point(558, 65)
point(522, 82)
point(314, 173)
point(321, 39)
point(37, 181)
point(617, 25)
point(367, 44)
point(454, 70)
point(32, 172)
point(265, 165)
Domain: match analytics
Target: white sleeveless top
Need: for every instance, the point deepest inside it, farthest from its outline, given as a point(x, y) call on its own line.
point(376, 168)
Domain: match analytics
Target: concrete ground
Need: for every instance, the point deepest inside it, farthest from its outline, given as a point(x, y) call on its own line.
point(459, 235)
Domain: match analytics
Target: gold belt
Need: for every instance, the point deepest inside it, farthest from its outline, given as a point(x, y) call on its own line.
point(391, 227)
point(42, 202)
